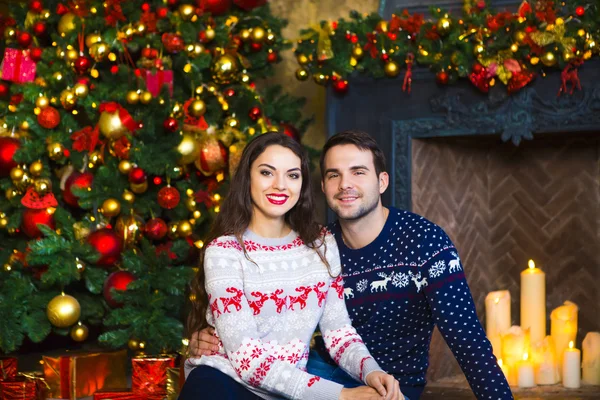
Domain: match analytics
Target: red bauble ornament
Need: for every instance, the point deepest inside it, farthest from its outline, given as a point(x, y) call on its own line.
point(173, 43)
point(119, 281)
point(272, 57)
point(171, 124)
point(477, 68)
point(4, 89)
point(76, 180)
point(49, 117)
point(290, 130)
point(39, 28)
point(8, 148)
point(145, 7)
point(36, 54)
point(255, 46)
point(340, 86)
point(137, 176)
point(168, 197)
point(156, 229)
point(33, 217)
point(108, 244)
point(24, 39)
point(216, 7)
point(580, 10)
point(172, 2)
point(254, 113)
point(385, 57)
point(229, 92)
point(442, 77)
point(114, 69)
point(82, 64)
point(481, 4)
point(162, 12)
point(36, 6)
point(157, 180)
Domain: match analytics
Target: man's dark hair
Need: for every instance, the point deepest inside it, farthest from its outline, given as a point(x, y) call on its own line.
point(360, 139)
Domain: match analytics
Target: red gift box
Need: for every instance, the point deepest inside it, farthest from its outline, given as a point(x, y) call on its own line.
point(17, 66)
point(156, 80)
point(8, 368)
point(149, 376)
point(124, 394)
point(18, 389)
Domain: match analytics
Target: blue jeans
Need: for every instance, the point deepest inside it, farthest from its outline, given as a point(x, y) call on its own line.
point(209, 383)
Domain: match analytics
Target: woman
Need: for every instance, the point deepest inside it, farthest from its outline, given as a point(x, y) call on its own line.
point(269, 275)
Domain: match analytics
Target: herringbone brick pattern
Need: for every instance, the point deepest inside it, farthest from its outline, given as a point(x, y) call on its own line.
point(502, 205)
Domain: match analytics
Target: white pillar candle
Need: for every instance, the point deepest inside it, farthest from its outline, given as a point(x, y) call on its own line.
point(571, 367)
point(533, 302)
point(525, 375)
point(515, 343)
point(563, 327)
point(497, 318)
point(544, 362)
point(591, 358)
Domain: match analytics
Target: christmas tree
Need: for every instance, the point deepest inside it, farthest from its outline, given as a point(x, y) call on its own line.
point(121, 123)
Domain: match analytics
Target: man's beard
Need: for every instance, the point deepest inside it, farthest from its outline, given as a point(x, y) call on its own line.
point(359, 213)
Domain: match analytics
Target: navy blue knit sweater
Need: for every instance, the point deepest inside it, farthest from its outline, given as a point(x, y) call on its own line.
point(399, 286)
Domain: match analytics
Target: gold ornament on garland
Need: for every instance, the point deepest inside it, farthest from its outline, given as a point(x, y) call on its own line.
point(111, 126)
point(444, 25)
point(129, 228)
point(188, 149)
point(68, 99)
point(302, 59)
point(358, 52)
point(42, 102)
point(36, 168)
point(225, 68)
point(548, 59)
point(99, 51)
point(66, 23)
point(132, 97)
point(81, 90)
point(391, 69)
point(302, 74)
point(42, 186)
point(186, 11)
point(111, 208)
point(133, 344)
point(138, 188)
point(125, 167)
point(63, 311)
point(258, 34)
point(128, 196)
point(184, 229)
point(92, 38)
point(320, 78)
point(197, 108)
point(79, 332)
point(146, 97)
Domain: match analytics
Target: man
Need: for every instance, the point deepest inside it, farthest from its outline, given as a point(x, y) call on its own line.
point(402, 275)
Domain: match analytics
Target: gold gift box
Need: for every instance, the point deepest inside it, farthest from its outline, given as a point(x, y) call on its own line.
point(78, 375)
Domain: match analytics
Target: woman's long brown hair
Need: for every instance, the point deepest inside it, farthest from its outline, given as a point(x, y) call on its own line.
point(236, 213)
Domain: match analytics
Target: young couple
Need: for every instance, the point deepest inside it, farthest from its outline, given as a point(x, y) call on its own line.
point(378, 276)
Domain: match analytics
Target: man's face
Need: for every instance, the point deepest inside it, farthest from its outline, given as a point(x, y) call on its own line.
point(350, 183)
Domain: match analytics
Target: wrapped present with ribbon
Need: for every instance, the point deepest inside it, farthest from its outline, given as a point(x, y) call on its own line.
point(19, 388)
point(77, 375)
point(155, 80)
point(17, 66)
point(124, 394)
point(41, 386)
point(149, 375)
point(8, 368)
point(175, 381)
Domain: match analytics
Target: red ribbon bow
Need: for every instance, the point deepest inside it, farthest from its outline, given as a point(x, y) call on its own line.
point(371, 45)
point(85, 139)
point(126, 119)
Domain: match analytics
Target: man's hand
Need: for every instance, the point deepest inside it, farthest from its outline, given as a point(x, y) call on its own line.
point(203, 343)
point(360, 393)
point(386, 385)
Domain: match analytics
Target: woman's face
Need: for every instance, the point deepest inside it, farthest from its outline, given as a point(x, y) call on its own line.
point(275, 182)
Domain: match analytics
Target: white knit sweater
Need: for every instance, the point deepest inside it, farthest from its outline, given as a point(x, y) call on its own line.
point(265, 311)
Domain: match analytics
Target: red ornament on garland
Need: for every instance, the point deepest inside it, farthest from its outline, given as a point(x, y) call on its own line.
point(39, 28)
point(8, 148)
point(230, 92)
point(580, 11)
point(82, 64)
point(442, 77)
point(49, 117)
point(32, 218)
point(272, 57)
point(216, 7)
point(76, 180)
point(137, 176)
point(119, 281)
point(255, 46)
point(4, 89)
point(24, 39)
point(173, 43)
point(170, 124)
point(36, 6)
point(108, 244)
point(254, 113)
point(290, 131)
point(168, 197)
point(156, 229)
point(35, 54)
point(340, 86)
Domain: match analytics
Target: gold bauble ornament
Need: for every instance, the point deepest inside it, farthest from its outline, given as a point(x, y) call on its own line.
point(111, 208)
point(358, 52)
point(534, 60)
point(188, 149)
point(42, 102)
point(184, 229)
point(245, 34)
point(194, 50)
point(320, 78)
point(568, 55)
point(172, 230)
point(191, 204)
point(133, 344)
point(209, 34)
point(111, 126)
point(146, 97)
point(96, 159)
point(138, 188)
point(24, 182)
point(11, 193)
point(391, 69)
point(81, 90)
point(197, 108)
point(302, 74)
point(231, 122)
point(129, 228)
point(92, 38)
point(548, 59)
point(79, 332)
point(514, 47)
point(63, 311)
point(68, 99)
point(42, 186)
point(9, 33)
point(132, 97)
point(71, 55)
point(36, 168)
point(66, 23)
point(3, 222)
point(444, 25)
point(382, 26)
point(478, 49)
point(520, 37)
point(270, 38)
point(99, 51)
point(55, 151)
point(258, 34)
point(128, 196)
point(225, 68)
point(186, 11)
point(125, 167)
point(302, 59)
point(16, 173)
point(57, 76)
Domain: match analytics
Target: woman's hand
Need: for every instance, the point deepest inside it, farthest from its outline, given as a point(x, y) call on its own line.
point(359, 393)
point(386, 385)
point(203, 343)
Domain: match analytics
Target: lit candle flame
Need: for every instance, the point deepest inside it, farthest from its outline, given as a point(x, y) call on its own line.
point(531, 264)
point(571, 344)
point(525, 356)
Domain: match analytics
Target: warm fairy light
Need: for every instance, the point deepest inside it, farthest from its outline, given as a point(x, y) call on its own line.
point(199, 244)
point(220, 177)
point(571, 344)
point(217, 209)
point(531, 264)
point(187, 68)
point(217, 197)
point(50, 210)
point(525, 356)
point(185, 342)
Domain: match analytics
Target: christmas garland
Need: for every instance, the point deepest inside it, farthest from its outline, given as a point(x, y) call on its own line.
point(482, 45)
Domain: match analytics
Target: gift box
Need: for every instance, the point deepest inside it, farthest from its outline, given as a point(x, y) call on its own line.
point(8, 368)
point(155, 80)
point(41, 386)
point(78, 375)
point(175, 381)
point(149, 375)
point(19, 388)
point(124, 394)
point(17, 66)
